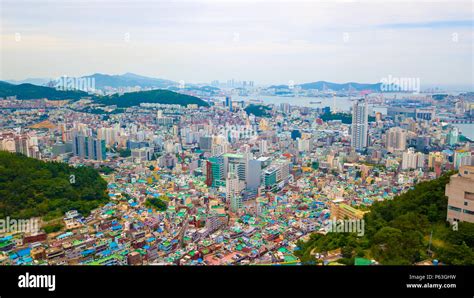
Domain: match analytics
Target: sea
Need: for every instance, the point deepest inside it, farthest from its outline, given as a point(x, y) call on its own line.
point(340, 104)
point(337, 103)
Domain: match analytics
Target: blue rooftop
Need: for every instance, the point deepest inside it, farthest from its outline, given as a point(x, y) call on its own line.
point(24, 252)
point(117, 227)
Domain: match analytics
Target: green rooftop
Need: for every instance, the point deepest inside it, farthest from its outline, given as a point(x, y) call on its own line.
point(362, 262)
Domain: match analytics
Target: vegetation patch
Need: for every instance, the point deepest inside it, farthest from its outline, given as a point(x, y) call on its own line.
point(30, 187)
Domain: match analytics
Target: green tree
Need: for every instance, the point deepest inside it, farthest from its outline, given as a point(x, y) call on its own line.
point(31, 187)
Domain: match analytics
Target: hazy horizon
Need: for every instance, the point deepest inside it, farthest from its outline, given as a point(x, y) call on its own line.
point(445, 87)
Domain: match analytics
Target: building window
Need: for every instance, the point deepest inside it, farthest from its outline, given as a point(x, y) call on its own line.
point(454, 208)
point(465, 203)
point(469, 196)
point(468, 212)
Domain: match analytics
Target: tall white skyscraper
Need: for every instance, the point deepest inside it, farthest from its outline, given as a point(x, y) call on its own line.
point(360, 119)
point(233, 189)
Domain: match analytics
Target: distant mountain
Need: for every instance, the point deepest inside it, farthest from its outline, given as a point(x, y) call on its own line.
point(153, 96)
point(33, 81)
point(128, 80)
point(29, 91)
point(322, 85)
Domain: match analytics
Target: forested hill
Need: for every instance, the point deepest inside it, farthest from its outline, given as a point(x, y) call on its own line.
point(160, 96)
point(152, 96)
point(397, 232)
point(31, 187)
point(29, 91)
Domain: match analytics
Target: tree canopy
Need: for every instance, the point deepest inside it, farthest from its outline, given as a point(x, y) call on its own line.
point(397, 232)
point(30, 187)
point(258, 110)
point(152, 96)
point(157, 203)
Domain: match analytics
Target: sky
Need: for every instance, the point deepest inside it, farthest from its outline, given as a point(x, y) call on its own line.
point(269, 42)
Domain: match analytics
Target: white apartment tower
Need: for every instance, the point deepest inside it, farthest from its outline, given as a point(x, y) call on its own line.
point(359, 129)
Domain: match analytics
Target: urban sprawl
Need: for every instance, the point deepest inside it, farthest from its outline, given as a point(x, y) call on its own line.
point(237, 188)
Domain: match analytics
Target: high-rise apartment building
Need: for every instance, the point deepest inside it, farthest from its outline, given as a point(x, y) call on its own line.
point(88, 147)
point(228, 103)
point(412, 159)
point(462, 158)
point(215, 171)
point(396, 139)
point(205, 143)
point(233, 187)
point(359, 126)
point(453, 136)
